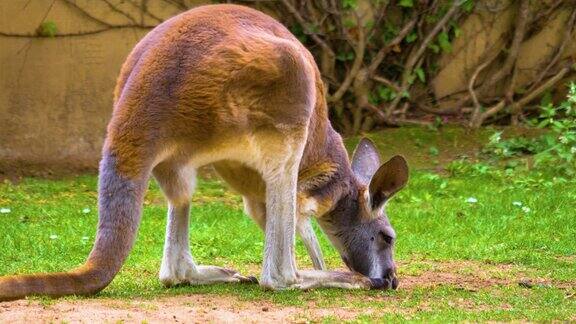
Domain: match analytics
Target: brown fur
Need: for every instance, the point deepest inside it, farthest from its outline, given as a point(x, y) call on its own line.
point(209, 88)
point(213, 79)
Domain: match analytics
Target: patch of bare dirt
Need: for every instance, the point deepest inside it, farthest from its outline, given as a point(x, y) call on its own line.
point(468, 275)
point(180, 309)
point(474, 275)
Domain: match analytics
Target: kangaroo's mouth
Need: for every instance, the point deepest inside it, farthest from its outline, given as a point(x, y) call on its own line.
point(387, 282)
point(384, 283)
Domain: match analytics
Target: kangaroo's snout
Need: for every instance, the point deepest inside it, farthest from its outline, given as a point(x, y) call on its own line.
point(388, 281)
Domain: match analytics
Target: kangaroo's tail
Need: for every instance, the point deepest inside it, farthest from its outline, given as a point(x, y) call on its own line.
point(120, 202)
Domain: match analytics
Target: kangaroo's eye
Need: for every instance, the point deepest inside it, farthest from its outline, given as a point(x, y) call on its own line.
point(386, 238)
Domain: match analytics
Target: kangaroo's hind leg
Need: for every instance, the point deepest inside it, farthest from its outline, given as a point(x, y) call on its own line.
point(177, 182)
point(308, 236)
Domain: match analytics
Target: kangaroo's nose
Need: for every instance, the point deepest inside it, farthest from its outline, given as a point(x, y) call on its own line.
point(394, 282)
point(390, 276)
point(388, 281)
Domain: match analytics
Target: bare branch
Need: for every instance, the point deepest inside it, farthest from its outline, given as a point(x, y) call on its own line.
point(117, 10)
point(520, 31)
point(523, 101)
point(304, 25)
point(144, 9)
point(413, 59)
point(517, 106)
point(471, 91)
point(178, 4)
point(547, 12)
point(379, 16)
point(379, 57)
point(78, 34)
point(85, 13)
point(386, 82)
point(360, 49)
point(415, 55)
point(47, 11)
point(559, 52)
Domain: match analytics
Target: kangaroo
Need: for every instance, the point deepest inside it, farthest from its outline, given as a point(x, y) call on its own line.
point(229, 86)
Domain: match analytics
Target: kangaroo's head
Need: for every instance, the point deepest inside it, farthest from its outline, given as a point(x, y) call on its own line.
point(358, 225)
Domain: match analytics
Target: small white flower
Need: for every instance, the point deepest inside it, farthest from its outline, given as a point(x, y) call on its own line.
point(517, 203)
point(84, 238)
point(86, 210)
point(53, 236)
point(526, 209)
point(5, 210)
point(471, 200)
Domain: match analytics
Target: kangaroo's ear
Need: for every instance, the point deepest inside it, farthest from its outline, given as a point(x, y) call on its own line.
point(388, 180)
point(365, 160)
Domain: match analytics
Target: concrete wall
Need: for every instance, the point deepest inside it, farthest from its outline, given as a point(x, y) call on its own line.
point(56, 93)
point(484, 32)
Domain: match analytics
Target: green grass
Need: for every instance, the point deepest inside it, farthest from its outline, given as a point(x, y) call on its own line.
point(49, 228)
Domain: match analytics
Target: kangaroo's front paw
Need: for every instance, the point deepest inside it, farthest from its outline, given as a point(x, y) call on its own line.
point(332, 279)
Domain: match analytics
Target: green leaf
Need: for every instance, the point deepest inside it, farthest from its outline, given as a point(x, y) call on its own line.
point(349, 23)
point(406, 3)
point(546, 99)
point(47, 29)
point(369, 24)
point(349, 4)
point(444, 42)
point(468, 5)
point(420, 74)
point(385, 93)
point(298, 31)
point(345, 56)
point(435, 48)
point(390, 31)
point(411, 37)
point(455, 29)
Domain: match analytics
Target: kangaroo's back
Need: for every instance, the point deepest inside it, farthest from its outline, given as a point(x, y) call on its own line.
point(214, 70)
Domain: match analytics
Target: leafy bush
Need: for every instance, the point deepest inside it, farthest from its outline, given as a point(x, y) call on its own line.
point(553, 150)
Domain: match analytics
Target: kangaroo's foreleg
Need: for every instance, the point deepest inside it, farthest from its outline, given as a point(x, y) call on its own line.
point(178, 266)
point(279, 270)
point(279, 264)
point(257, 211)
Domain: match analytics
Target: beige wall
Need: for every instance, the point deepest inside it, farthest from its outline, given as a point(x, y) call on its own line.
point(484, 32)
point(56, 93)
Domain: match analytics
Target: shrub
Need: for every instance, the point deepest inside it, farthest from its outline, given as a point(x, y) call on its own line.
point(556, 148)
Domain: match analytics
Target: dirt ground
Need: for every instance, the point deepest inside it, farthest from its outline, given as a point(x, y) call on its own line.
point(185, 309)
point(197, 308)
